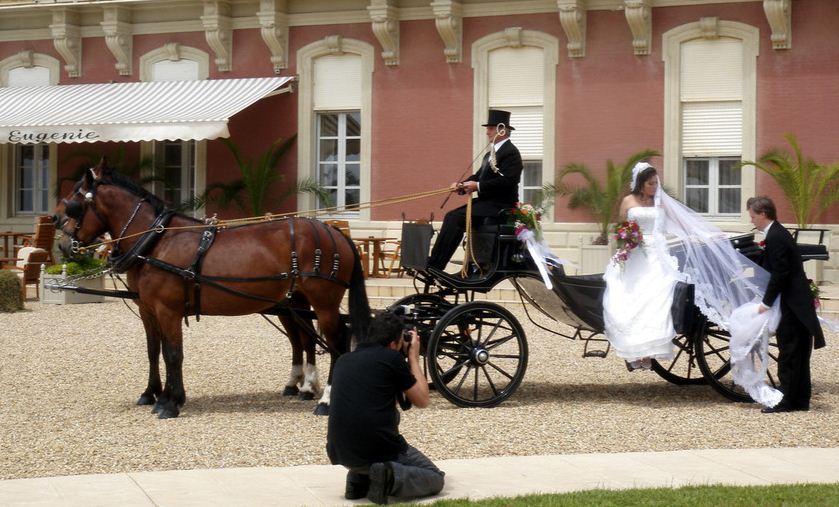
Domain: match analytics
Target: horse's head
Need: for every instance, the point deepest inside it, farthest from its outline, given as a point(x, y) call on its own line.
point(77, 216)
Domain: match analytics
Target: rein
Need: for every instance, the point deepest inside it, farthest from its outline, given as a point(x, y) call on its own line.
point(268, 217)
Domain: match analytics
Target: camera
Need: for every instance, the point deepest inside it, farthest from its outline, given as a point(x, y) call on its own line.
point(409, 323)
point(407, 316)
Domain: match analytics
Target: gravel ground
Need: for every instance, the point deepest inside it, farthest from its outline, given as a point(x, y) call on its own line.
point(73, 373)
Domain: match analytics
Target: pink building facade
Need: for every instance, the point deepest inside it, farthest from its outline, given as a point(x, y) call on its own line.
point(388, 96)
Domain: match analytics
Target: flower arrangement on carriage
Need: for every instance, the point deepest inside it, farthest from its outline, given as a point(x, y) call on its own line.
point(628, 236)
point(526, 217)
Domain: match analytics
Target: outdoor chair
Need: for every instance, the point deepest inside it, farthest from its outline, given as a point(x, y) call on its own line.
point(44, 236)
point(28, 266)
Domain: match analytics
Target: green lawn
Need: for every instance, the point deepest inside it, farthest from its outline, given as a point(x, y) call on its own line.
point(693, 496)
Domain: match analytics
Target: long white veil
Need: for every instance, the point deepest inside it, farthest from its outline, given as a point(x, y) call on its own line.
point(728, 286)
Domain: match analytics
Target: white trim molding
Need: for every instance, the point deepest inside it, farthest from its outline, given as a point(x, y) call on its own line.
point(779, 16)
point(67, 39)
point(218, 31)
point(28, 59)
point(639, 16)
point(516, 37)
point(174, 51)
point(672, 41)
point(448, 18)
point(306, 56)
point(385, 17)
point(273, 23)
point(572, 17)
point(116, 23)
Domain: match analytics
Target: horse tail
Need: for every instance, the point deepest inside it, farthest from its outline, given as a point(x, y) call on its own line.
point(358, 302)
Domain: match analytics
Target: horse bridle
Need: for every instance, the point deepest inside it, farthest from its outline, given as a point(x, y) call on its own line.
point(77, 211)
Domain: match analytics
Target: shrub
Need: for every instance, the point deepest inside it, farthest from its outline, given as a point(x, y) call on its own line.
point(77, 265)
point(10, 300)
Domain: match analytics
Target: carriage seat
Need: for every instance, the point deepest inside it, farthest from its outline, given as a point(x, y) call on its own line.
point(813, 252)
point(485, 236)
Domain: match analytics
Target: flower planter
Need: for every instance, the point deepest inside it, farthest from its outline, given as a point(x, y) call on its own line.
point(69, 297)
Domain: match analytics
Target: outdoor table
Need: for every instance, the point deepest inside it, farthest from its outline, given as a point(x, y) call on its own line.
point(373, 246)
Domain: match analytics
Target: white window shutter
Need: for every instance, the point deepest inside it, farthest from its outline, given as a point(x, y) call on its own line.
point(516, 77)
point(712, 128)
point(337, 82)
point(180, 70)
point(530, 133)
point(711, 70)
point(33, 76)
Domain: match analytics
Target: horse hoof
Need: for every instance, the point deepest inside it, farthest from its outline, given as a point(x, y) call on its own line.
point(306, 396)
point(322, 409)
point(146, 399)
point(168, 414)
point(291, 391)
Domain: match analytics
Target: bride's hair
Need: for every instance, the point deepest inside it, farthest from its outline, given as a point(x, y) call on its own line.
point(642, 178)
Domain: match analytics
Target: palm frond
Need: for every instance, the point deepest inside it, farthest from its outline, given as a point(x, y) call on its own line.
point(809, 186)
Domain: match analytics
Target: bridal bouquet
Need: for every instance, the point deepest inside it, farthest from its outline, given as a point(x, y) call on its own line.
point(526, 217)
point(628, 236)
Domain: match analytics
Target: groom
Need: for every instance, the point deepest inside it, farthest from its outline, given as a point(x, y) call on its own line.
point(799, 323)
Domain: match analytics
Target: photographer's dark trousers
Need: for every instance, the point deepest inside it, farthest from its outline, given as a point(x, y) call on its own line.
point(414, 475)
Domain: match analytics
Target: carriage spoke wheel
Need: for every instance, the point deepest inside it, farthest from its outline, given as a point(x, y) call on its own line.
point(477, 355)
point(683, 369)
point(713, 354)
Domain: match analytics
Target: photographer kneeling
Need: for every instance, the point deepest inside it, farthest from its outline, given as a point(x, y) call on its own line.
point(363, 432)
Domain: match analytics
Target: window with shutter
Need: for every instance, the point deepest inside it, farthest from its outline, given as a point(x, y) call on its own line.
point(711, 92)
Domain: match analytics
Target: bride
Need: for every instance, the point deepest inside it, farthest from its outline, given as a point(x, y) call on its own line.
point(727, 287)
point(639, 292)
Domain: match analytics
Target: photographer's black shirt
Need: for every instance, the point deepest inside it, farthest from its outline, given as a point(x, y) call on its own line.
point(363, 418)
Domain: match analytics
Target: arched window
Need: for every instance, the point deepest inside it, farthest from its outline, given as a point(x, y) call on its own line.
point(710, 95)
point(515, 70)
point(334, 121)
point(30, 169)
point(179, 168)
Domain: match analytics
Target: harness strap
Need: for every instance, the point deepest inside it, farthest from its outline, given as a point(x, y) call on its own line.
point(313, 225)
point(120, 263)
point(295, 269)
point(336, 259)
point(215, 281)
point(193, 273)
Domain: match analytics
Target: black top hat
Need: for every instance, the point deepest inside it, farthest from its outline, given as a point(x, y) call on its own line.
point(497, 116)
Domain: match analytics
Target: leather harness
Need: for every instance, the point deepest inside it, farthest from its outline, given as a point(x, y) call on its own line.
point(194, 279)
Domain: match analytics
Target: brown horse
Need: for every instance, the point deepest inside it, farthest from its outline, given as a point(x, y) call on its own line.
point(179, 266)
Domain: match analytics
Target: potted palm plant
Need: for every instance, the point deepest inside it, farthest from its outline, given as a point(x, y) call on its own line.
point(809, 187)
point(601, 198)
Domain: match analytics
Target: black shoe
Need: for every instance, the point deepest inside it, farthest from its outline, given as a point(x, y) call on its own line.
point(780, 407)
point(381, 483)
point(357, 486)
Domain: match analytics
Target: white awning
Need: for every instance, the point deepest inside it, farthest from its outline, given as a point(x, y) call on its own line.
point(140, 111)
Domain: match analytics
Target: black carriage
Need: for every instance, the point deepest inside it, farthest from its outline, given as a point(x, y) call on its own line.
point(476, 350)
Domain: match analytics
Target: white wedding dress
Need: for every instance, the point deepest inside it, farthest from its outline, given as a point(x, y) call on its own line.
point(636, 305)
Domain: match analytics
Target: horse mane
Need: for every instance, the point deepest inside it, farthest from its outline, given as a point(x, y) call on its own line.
point(126, 183)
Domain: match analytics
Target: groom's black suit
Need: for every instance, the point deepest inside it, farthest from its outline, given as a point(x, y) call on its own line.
point(799, 324)
point(496, 191)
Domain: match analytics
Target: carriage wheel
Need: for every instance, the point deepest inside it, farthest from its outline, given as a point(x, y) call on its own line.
point(682, 370)
point(714, 358)
point(477, 355)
